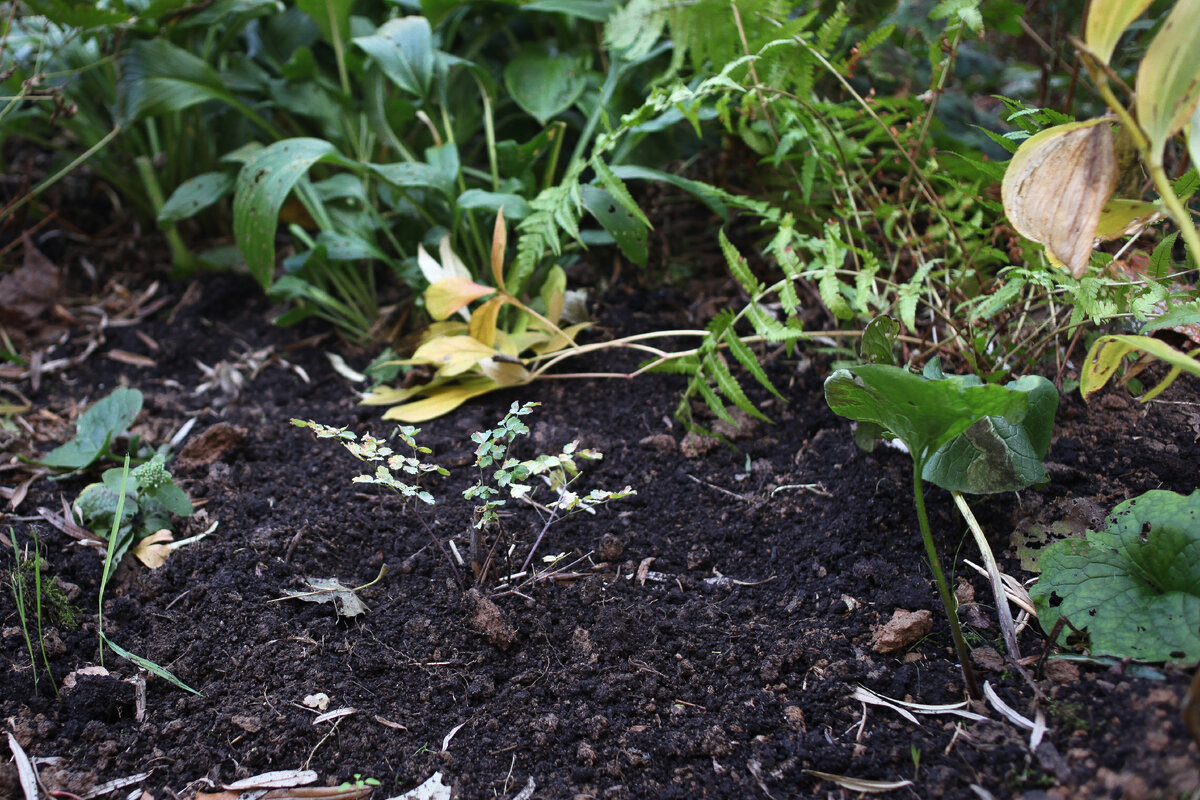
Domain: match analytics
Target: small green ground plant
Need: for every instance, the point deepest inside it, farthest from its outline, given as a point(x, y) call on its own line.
point(40, 604)
point(502, 477)
point(96, 430)
point(960, 434)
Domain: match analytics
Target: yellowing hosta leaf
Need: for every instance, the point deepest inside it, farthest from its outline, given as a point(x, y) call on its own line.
point(483, 320)
point(504, 372)
point(513, 344)
point(1056, 185)
point(1168, 79)
point(1108, 353)
point(452, 355)
point(1120, 218)
point(448, 295)
point(442, 401)
point(559, 341)
point(1107, 20)
point(390, 396)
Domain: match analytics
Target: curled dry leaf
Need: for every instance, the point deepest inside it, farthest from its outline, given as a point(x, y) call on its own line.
point(1056, 186)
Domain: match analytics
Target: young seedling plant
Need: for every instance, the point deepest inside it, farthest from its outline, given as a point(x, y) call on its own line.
point(928, 414)
point(507, 478)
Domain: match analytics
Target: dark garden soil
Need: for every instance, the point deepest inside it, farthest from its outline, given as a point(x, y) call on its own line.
point(709, 646)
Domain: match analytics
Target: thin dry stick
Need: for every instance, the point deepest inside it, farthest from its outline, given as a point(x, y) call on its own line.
point(1002, 610)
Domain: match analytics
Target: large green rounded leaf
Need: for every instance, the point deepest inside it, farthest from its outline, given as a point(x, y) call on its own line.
point(626, 229)
point(544, 83)
point(263, 184)
point(995, 455)
point(1135, 585)
point(1107, 20)
point(924, 414)
point(1168, 79)
point(403, 49)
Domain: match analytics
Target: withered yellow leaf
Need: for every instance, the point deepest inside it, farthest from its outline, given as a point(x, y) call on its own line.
point(441, 401)
point(1168, 81)
point(448, 295)
point(1107, 20)
point(1056, 185)
point(505, 372)
point(452, 355)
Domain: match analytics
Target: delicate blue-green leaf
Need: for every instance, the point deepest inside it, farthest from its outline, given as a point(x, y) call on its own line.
point(514, 205)
point(1186, 314)
point(1134, 585)
point(994, 455)
point(414, 175)
point(158, 77)
point(591, 10)
point(96, 427)
point(627, 231)
point(403, 49)
point(196, 194)
point(543, 82)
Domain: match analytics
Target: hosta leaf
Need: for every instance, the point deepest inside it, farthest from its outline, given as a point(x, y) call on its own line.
point(403, 49)
point(441, 400)
point(95, 428)
point(1168, 78)
point(1135, 584)
point(263, 184)
point(1108, 352)
point(1056, 185)
point(452, 355)
point(448, 295)
point(1107, 20)
point(625, 228)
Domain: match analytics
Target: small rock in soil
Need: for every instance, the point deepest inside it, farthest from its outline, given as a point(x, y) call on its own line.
point(1061, 671)
point(903, 629)
point(610, 548)
point(694, 445)
point(488, 622)
point(988, 658)
point(662, 442)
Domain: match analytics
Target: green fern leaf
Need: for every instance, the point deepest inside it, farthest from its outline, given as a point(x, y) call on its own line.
point(700, 384)
point(745, 356)
point(718, 370)
point(738, 266)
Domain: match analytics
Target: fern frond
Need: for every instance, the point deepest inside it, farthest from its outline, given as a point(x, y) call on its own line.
point(738, 266)
point(745, 356)
point(718, 370)
point(700, 384)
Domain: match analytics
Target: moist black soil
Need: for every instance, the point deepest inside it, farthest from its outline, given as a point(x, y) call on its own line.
point(707, 642)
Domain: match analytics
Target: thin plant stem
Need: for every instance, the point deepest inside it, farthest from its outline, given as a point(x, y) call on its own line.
point(1007, 627)
point(960, 644)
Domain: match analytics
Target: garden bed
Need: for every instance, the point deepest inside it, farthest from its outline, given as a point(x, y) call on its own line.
point(721, 620)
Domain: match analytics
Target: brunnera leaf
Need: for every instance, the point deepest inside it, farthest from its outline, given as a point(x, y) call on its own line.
point(1135, 584)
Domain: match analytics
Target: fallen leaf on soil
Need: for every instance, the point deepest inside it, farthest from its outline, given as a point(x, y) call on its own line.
point(644, 570)
point(859, 784)
point(25, 769)
point(903, 629)
point(432, 789)
point(279, 779)
point(211, 445)
point(153, 551)
point(319, 701)
point(450, 735)
point(29, 289)
point(71, 679)
point(330, 590)
point(132, 359)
